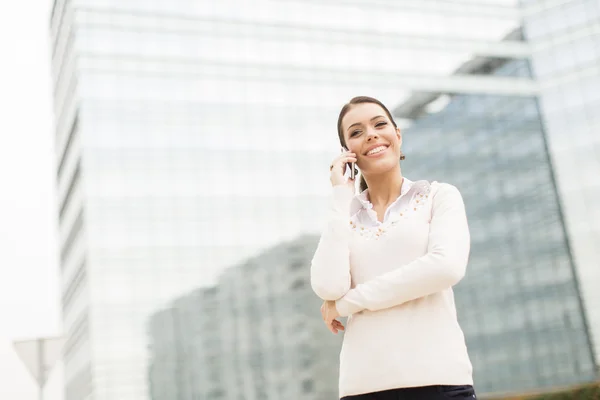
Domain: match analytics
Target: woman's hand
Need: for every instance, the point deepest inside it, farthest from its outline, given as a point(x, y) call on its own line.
point(329, 313)
point(338, 168)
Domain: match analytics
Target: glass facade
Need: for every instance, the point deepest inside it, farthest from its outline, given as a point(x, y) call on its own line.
point(566, 44)
point(519, 303)
point(252, 336)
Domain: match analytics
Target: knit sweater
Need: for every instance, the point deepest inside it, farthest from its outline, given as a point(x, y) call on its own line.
point(393, 280)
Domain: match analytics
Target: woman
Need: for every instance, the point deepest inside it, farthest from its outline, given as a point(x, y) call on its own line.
point(387, 260)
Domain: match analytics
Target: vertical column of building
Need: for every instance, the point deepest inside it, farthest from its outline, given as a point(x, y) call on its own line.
point(265, 320)
point(566, 51)
point(188, 344)
point(286, 312)
point(229, 327)
point(208, 382)
point(164, 359)
point(74, 272)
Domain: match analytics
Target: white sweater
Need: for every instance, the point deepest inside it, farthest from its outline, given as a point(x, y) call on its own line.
point(394, 282)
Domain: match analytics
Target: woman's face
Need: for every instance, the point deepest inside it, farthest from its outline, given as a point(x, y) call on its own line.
point(371, 135)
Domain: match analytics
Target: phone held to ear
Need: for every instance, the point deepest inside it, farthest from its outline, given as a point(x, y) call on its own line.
point(352, 167)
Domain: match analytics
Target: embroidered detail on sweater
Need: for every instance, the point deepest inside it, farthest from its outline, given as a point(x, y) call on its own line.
point(420, 196)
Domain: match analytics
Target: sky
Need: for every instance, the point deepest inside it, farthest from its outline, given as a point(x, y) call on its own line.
point(29, 272)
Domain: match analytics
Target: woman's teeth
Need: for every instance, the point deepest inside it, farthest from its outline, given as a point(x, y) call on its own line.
point(376, 150)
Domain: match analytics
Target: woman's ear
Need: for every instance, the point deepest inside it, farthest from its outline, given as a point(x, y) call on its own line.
point(399, 136)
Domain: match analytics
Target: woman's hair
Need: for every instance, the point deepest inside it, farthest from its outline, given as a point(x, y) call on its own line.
point(347, 107)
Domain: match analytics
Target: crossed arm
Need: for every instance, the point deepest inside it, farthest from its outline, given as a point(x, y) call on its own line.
point(441, 267)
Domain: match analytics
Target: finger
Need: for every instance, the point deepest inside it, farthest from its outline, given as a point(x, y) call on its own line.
point(345, 159)
point(337, 324)
point(334, 330)
point(340, 164)
point(330, 327)
point(344, 156)
point(333, 323)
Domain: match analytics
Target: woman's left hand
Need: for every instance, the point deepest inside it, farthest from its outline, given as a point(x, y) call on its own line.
point(329, 313)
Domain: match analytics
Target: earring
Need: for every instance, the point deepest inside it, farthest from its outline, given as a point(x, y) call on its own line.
point(402, 157)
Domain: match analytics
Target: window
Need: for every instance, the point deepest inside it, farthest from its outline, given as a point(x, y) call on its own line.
point(308, 386)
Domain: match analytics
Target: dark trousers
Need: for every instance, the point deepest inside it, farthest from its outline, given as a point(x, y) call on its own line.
point(438, 392)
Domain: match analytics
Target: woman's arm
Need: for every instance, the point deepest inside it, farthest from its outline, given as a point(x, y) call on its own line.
point(330, 267)
point(442, 267)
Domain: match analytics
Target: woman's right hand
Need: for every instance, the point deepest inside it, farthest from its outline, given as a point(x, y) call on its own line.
point(330, 314)
point(338, 168)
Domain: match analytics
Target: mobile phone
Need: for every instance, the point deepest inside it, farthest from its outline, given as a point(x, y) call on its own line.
point(352, 166)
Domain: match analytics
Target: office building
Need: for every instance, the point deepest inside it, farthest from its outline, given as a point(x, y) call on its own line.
point(565, 44)
point(257, 336)
point(186, 348)
point(520, 303)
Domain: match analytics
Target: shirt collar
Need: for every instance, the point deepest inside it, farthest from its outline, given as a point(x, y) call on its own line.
point(361, 200)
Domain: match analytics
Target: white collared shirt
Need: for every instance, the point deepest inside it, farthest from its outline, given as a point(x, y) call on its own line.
point(362, 209)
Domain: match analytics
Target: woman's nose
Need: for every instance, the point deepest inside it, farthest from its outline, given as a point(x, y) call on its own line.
point(371, 134)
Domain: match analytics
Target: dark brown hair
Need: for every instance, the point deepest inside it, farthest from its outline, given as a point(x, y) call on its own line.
point(347, 107)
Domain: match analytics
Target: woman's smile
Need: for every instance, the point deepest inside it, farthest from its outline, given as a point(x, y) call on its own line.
point(377, 150)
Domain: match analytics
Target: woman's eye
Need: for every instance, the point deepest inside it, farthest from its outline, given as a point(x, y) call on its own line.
point(379, 124)
point(354, 133)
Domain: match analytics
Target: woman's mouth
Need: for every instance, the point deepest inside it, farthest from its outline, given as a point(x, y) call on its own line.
point(376, 150)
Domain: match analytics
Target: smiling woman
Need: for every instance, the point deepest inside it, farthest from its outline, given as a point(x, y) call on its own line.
point(382, 121)
point(388, 260)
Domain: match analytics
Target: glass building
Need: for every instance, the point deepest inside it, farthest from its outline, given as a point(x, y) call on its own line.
point(519, 303)
point(186, 348)
point(192, 135)
point(565, 40)
point(253, 336)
